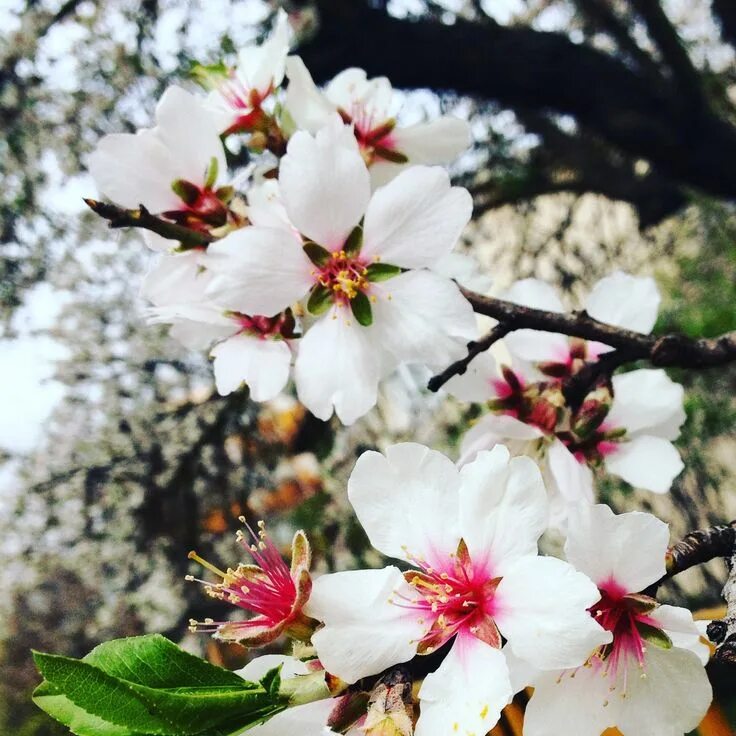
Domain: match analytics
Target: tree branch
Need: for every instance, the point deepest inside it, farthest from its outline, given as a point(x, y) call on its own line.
point(118, 217)
point(673, 350)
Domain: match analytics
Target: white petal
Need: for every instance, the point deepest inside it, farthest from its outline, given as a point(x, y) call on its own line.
point(569, 483)
point(407, 500)
point(367, 101)
point(416, 219)
point(503, 509)
point(646, 462)
point(261, 270)
point(570, 702)
point(308, 107)
point(420, 317)
point(263, 364)
point(541, 608)
point(337, 366)
point(627, 549)
point(309, 719)
point(440, 141)
point(175, 279)
point(467, 692)
point(364, 633)
point(625, 301)
point(135, 169)
point(679, 625)
point(476, 384)
point(263, 66)
point(265, 206)
point(258, 667)
point(324, 184)
point(493, 429)
point(465, 270)
point(647, 401)
point(671, 700)
point(187, 128)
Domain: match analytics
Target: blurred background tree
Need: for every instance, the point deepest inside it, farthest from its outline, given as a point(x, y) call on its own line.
point(605, 135)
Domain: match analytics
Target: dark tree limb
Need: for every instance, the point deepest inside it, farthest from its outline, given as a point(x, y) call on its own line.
point(118, 217)
point(672, 350)
point(524, 68)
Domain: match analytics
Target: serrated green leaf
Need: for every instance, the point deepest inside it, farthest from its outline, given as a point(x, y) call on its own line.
point(319, 300)
point(354, 242)
point(361, 308)
point(316, 253)
point(381, 271)
point(653, 635)
point(181, 710)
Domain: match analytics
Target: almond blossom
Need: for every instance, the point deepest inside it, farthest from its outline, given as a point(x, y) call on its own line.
point(470, 536)
point(649, 680)
point(619, 299)
point(366, 105)
point(274, 592)
point(176, 169)
point(360, 262)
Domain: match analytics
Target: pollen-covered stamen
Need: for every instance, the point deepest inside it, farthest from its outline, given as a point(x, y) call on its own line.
point(626, 617)
point(344, 276)
point(453, 597)
point(268, 589)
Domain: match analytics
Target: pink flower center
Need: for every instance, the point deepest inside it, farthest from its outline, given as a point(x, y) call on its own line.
point(265, 588)
point(457, 597)
point(201, 207)
point(375, 140)
point(344, 276)
point(282, 325)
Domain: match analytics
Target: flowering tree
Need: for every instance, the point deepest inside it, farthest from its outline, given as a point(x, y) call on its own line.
point(327, 261)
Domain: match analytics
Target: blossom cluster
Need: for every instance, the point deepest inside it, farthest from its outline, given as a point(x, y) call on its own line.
point(326, 259)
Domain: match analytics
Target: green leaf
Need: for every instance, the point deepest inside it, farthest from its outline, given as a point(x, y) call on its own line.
point(271, 681)
point(316, 253)
point(319, 300)
point(212, 171)
point(361, 308)
point(354, 242)
point(147, 686)
point(381, 271)
point(653, 635)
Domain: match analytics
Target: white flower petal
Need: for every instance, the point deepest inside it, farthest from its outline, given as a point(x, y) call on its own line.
point(309, 719)
point(439, 141)
point(258, 667)
point(464, 269)
point(493, 429)
point(407, 500)
point(647, 401)
point(260, 270)
point(263, 364)
point(366, 101)
point(420, 317)
point(625, 301)
point(476, 384)
point(174, 279)
point(364, 633)
point(627, 549)
point(651, 463)
point(671, 700)
point(135, 169)
point(569, 483)
point(265, 206)
point(534, 345)
point(338, 366)
point(196, 325)
point(416, 219)
point(262, 66)
point(308, 107)
point(679, 625)
point(187, 128)
point(541, 608)
point(467, 692)
point(503, 509)
point(324, 183)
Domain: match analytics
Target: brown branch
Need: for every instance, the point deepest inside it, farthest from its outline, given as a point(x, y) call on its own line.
point(474, 349)
point(118, 217)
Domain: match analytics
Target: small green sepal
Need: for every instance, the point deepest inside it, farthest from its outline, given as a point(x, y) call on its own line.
point(653, 635)
point(381, 271)
point(316, 253)
point(319, 300)
point(354, 242)
point(361, 308)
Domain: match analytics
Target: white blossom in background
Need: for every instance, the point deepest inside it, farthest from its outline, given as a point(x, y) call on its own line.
point(362, 264)
point(239, 94)
point(470, 536)
point(650, 679)
point(176, 170)
point(366, 104)
point(619, 299)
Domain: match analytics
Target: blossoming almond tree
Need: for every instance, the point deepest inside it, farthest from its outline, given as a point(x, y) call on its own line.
point(333, 263)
